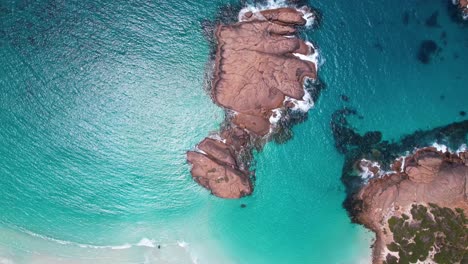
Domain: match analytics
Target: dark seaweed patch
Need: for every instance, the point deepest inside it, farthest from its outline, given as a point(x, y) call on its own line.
point(32, 40)
point(405, 18)
point(208, 28)
point(344, 98)
point(427, 49)
point(443, 35)
point(432, 20)
point(378, 46)
point(228, 13)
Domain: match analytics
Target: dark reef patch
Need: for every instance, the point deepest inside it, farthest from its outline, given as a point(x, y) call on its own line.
point(379, 46)
point(462, 113)
point(427, 49)
point(443, 35)
point(432, 20)
point(370, 145)
point(405, 18)
point(344, 98)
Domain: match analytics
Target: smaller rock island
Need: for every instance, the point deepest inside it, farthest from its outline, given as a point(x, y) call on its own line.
point(260, 67)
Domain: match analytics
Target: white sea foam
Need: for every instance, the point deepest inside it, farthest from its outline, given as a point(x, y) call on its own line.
point(306, 103)
point(124, 246)
point(6, 261)
point(272, 4)
point(365, 166)
point(444, 148)
point(196, 149)
point(193, 257)
point(403, 163)
point(217, 137)
point(144, 242)
point(276, 116)
point(462, 148)
point(366, 173)
point(314, 57)
point(440, 147)
point(303, 105)
point(308, 16)
point(182, 244)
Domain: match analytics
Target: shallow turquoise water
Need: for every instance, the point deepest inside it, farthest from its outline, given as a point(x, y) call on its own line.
point(100, 101)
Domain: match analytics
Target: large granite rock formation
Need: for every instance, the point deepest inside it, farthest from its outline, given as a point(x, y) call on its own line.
point(257, 69)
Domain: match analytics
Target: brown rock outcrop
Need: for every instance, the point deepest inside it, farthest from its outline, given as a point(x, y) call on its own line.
point(255, 70)
point(223, 180)
point(428, 176)
point(463, 7)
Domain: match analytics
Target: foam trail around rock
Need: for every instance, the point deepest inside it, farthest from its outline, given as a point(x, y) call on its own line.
point(308, 16)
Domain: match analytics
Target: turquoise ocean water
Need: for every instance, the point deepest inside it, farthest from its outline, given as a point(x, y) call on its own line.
point(99, 100)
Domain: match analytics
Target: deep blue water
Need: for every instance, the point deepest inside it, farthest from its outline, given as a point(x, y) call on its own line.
point(100, 100)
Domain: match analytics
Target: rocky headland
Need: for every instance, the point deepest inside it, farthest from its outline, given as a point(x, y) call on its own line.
point(413, 197)
point(417, 210)
point(260, 67)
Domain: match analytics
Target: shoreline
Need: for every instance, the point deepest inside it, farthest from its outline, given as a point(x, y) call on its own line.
point(419, 164)
point(381, 183)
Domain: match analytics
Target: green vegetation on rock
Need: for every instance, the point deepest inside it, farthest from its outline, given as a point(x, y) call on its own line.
point(440, 231)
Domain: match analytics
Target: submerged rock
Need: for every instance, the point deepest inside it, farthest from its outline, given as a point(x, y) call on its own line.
point(406, 18)
point(432, 20)
point(427, 49)
point(260, 68)
point(223, 180)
